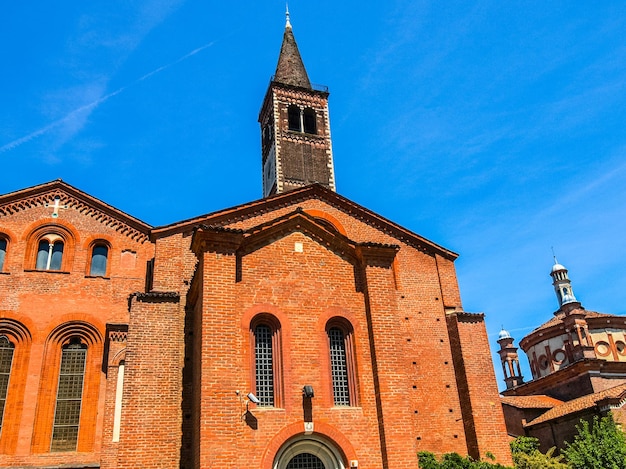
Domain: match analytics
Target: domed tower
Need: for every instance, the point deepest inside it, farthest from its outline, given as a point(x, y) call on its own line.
point(295, 130)
point(562, 284)
point(574, 335)
point(510, 360)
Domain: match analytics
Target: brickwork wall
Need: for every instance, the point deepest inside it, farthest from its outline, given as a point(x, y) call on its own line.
point(482, 412)
point(174, 263)
point(391, 382)
point(302, 290)
point(115, 356)
point(151, 429)
point(49, 307)
point(421, 285)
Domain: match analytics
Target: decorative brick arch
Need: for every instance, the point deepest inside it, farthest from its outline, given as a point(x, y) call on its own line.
point(329, 218)
point(58, 228)
point(20, 336)
point(60, 335)
point(118, 358)
point(290, 433)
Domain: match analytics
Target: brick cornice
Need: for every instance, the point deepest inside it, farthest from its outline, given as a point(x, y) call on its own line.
point(216, 238)
point(376, 254)
point(169, 296)
point(468, 317)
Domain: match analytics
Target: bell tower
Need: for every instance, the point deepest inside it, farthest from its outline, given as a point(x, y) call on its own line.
point(295, 130)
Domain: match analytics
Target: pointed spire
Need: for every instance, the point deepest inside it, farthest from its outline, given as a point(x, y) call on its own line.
point(290, 69)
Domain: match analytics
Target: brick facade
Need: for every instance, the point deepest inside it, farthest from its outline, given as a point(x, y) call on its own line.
point(305, 258)
point(304, 288)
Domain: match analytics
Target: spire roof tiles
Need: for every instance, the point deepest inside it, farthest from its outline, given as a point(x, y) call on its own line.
point(290, 69)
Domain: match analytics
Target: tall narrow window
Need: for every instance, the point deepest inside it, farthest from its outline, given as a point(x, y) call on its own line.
point(294, 118)
point(264, 362)
point(310, 121)
point(99, 257)
point(69, 397)
point(339, 366)
point(3, 252)
point(342, 362)
point(50, 254)
point(6, 360)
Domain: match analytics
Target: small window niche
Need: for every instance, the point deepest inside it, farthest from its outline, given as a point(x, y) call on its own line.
point(128, 259)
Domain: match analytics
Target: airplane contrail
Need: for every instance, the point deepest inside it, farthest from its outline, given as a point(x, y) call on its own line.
point(20, 141)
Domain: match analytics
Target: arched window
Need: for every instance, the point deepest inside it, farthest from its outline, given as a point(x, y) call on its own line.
point(6, 361)
point(342, 367)
point(69, 396)
point(3, 251)
point(293, 114)
point(50, 253)
point(99, 258)
point(267, 360)
point(310, 121)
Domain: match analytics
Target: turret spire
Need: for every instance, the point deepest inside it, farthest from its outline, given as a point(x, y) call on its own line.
point(562, 284)
point(510, 360)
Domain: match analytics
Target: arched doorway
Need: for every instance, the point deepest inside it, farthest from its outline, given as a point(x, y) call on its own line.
point(309, 452)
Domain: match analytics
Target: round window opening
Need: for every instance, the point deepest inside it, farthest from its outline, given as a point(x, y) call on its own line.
point(309, 452)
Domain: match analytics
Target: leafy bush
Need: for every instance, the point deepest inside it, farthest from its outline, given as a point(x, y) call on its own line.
point(599, 445)
point(454, 461)
point(526, 455)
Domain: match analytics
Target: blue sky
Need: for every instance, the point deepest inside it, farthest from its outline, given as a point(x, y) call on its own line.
point(493, 128)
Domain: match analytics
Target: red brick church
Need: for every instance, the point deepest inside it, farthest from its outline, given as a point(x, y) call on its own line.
point(300, 330)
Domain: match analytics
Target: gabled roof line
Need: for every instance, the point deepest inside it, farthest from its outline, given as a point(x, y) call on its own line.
point(274, 202)
point(10, 203)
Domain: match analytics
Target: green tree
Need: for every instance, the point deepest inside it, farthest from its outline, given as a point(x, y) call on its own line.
point(524, 444)
point(454, 461)
point(526, 455)
point(599, 445)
